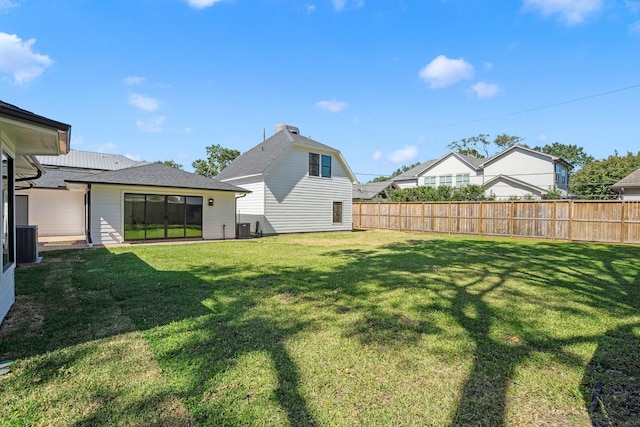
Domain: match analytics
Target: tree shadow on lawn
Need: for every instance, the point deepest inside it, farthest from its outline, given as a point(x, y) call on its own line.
point(588, 273)
point(202, 322)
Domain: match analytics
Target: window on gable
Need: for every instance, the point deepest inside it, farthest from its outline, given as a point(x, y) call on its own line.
point(314, 164)
point(326, 166)
point(337, 212)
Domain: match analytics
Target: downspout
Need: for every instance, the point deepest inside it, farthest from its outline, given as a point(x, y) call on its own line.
point(237, 215)
point(88, 218)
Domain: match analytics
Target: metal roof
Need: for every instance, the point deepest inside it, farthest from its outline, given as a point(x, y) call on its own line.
point(78, 159)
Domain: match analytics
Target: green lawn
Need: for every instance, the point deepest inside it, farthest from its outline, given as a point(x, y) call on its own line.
point(368, 328)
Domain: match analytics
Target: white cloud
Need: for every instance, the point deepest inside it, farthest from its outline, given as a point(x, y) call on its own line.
point(403, 155)
point(488, 65)
point(153, 124)
point(18, 59)
point(338, 5)
point(144, 103)
point(133, 80)
point(136, 157)
point(310, 8)
point(77, 140)
point(543, 137)
point(635, 28)
point(8, 4)
point(443, 71)
point(202, 4)
point(377, 155)
point(572, 12)
point(485, 90)
point(332, 106)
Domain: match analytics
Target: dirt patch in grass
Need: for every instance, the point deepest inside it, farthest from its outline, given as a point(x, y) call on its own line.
point(25, 311)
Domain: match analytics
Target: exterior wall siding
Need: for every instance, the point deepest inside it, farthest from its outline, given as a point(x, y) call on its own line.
point(295, 202)
point(524, 166)
point(56, 212)
point(107, 208)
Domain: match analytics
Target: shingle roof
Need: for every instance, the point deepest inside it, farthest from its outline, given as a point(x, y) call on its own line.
point(55, 178)
point(89, 160)
point(157, 175)
point(257, 159)
point(630, 181)
point(370, 190)
point(28, 115)
point(415, 171)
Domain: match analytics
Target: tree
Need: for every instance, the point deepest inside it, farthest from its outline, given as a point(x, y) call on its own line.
point(571, 153)
point(398, 171)
point(593, 180)
point(218, 158)
point(478, 146)
point(169, 163)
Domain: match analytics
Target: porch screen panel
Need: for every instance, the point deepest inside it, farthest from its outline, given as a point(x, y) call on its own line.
point(175, 216)
point(155, 217)
point(193, 219)
point(134, 227)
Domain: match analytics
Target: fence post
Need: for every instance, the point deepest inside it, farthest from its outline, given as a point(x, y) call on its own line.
point(570, 223)
point(481, 225)
point(554, 213)
point(622, 224)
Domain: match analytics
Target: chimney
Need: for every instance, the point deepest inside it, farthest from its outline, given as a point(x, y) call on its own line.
point(287, 127)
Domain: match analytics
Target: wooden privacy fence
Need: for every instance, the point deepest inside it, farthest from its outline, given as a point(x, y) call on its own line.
point(587, 221)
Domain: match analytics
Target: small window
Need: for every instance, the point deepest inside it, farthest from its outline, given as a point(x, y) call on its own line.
point(430, 181)
point(337, 212)
point(326, 166)
point(314, 164)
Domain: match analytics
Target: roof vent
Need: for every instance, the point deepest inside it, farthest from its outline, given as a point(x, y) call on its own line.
point(289, 128)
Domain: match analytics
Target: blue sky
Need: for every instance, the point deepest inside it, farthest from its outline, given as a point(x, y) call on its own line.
point(387, 82)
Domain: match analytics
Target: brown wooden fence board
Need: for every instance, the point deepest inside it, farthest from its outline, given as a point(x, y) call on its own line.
point(590, 221)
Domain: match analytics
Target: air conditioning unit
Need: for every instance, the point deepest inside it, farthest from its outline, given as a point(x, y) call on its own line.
point(243, 230)
point(26, 243)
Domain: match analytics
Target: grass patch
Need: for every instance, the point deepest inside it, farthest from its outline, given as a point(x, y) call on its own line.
point(327, 329)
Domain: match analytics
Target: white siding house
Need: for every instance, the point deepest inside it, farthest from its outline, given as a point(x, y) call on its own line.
point(297, 185)
point(154, 201)
point(22, 136)
point(515, 172)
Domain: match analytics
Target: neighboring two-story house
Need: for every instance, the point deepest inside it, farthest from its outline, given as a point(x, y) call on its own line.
point(297, 185)
point(517, 171)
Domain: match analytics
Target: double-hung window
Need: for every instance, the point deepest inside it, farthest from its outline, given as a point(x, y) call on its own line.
point(430, 181)
point(445, 180)
point(319, 165)
point(462, 180)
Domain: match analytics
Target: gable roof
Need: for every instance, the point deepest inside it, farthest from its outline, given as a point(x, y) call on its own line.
point(516, 181)
point(156, 175)
point(259, 158)
point(415, 172)
point(630, 181)
point(371, 190)
point(527, 150)
point(88, 160)
point(56, 178)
